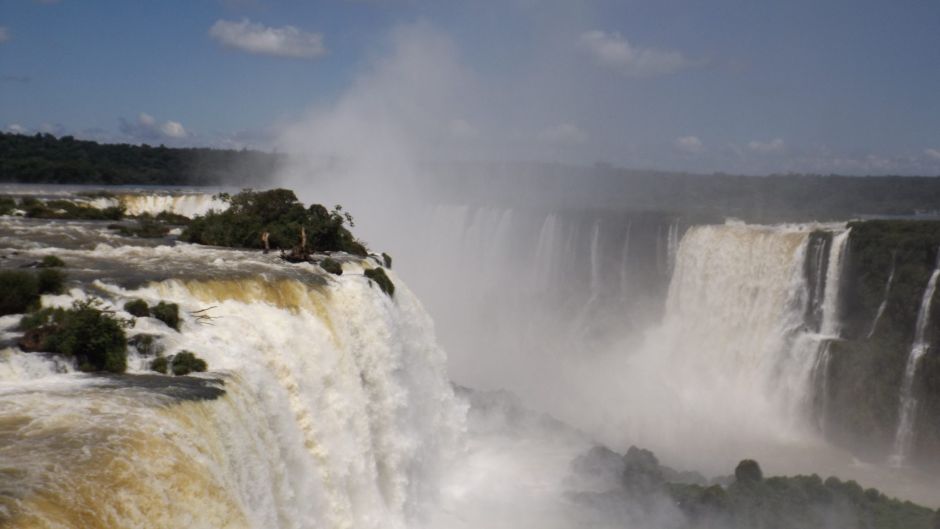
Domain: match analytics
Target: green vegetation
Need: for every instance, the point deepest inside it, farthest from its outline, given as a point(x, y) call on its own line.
point(7, 205)
point(278, 213)
point(138, 308)
point(866, 370)
point(332, 266)
point(42, 158)
point(185, 362)
point(750, 500)
point(20, 289)
point(51, 261)
point(378, 275)
point(85, 332)
point(160, 364)
point(50, 281)
point(182, 363)
point(64, 209)
point(387, 259)
point(168, 313)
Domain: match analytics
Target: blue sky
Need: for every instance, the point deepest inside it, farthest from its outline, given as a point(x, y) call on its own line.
point(728, 85)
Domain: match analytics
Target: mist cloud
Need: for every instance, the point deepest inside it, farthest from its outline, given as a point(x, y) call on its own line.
point(774, 146)
point(4, 34)
point(251, 37)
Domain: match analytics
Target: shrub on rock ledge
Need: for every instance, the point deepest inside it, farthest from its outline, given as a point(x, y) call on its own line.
point(378, 275)
point(138, 308)
point(168, 313)
point(85, 332)
point(279, 214)
point(185, 362)
point(19, 290)
point(332, 266)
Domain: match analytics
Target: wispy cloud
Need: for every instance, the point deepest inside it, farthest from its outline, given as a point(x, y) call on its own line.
point(563, 133)
point(613, 51)
point(16, 128)
point(252, 37)
point(690, 144)
point(4, 34)
point(775, 146)
point(146, 127)
point(933, 154)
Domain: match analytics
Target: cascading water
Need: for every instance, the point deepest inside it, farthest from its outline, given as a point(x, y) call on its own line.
point(908, 403)
point(884, 301)
point(327, 404)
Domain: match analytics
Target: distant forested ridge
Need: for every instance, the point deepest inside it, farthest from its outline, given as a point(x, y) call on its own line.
point(45, 159)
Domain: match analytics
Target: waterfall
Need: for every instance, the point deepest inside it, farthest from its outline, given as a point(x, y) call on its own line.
point(908, 403)
point(884, 301)
point(337, 412)
point(831, 324)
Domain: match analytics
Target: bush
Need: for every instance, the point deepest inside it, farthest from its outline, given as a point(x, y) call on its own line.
point(138, 308)
point(185, 362)
point(387, 259)
point(168, 313)
point(50, 281)
point(7, 205)
point(378, 275)
point(19, 290)
point(92, 336)
point(332, 266)
point(278, 213)
point(51, 261)
point(748, 471)
point(160, 365)
point(64, 209)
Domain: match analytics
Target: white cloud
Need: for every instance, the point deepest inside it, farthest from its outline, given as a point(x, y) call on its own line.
point(690, 144)
point(564, 133)
point(774, 146)
point(286, 41)
point(933, 154)
point(16, 128)
point(613, 51)
point(146, 127)
point(173, 129)
point(4, 34)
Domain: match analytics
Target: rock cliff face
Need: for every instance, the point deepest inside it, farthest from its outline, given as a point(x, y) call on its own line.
point(887, 271)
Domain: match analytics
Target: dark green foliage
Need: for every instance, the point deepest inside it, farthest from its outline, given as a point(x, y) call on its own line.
point(92, 336)
point(64, 209)
point(146, 344)
point(138, 308)
point(279, 213)
point(168, 313)
point(387, 259)
point(748, 471)
point(378, 275)
point(332, 266)
point(167, 217)
point(185, 362)
point(7, 205)
point(44, 159)
point(19, 290)
point(50, 281)
point(798, 502)
point(866, 370)
point(160, 365)
point(144, 228)
point(51, 261)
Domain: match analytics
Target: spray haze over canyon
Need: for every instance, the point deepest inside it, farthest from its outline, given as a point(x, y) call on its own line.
point(525, 312)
